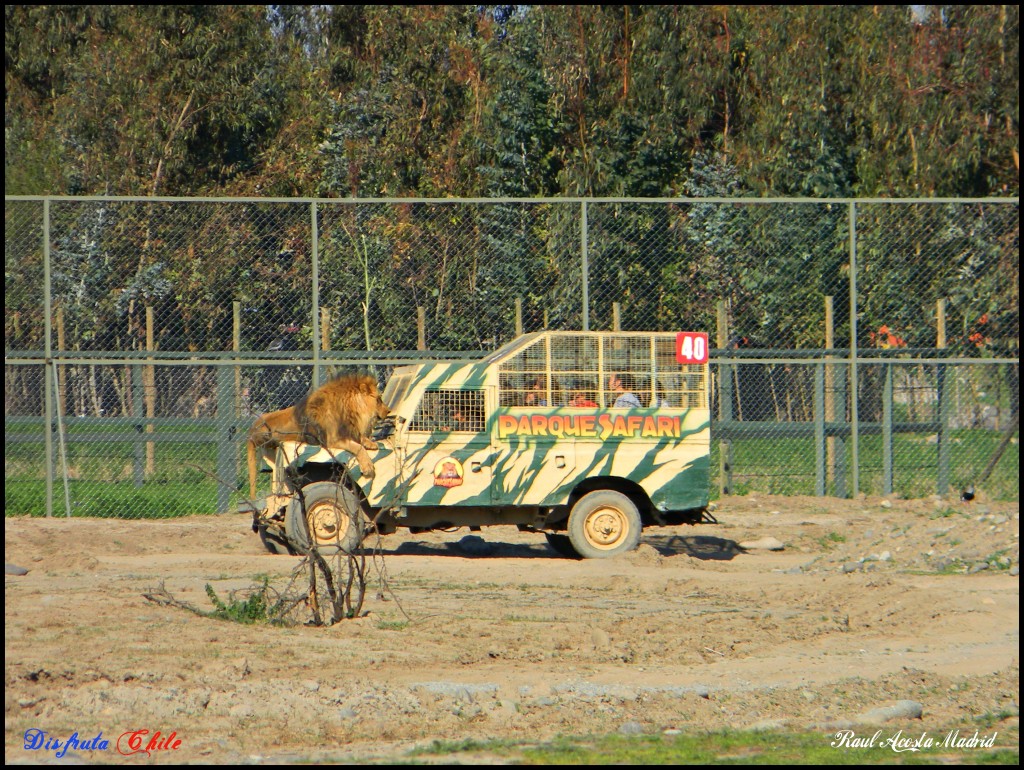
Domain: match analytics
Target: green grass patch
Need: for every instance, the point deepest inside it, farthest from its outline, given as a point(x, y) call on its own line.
point(946, 513)
point(997, 562)
point(116, 478)
point(780, 465)
point(112, 500)
point(181, 480)
point(721, 748)
point(831, 539)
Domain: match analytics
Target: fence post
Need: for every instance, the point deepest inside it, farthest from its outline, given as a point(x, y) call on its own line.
point(585, 266)
point(138, 410)
point(49, 425)
point(421, 329)
point(325, 335)
point(61, 372)
point(236, 346)
point(616, 316)
point(227, 448)
point(62, 443)
point(854, 376)
point(150, 391)
point(519, 317)
point(887, 432)
point(819, 430)
point(830, 385)
point(840, 441)
point(724, 403)
point(314, 229)
point(942, 402)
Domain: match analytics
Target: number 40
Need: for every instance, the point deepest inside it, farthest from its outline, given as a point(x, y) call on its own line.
point(692, 347)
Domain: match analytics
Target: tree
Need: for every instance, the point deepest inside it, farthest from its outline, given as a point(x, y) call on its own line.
point(144, 99)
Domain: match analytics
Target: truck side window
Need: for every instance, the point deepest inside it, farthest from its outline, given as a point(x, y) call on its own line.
point(450, 410)
point(522, 389)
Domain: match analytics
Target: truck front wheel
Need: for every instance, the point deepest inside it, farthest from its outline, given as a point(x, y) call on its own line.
point(273, 542)
point(334, 519)
point(604, 523)
point(561, 544)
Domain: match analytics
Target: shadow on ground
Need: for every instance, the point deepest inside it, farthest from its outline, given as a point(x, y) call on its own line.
point(697, 546)
point(474, 546)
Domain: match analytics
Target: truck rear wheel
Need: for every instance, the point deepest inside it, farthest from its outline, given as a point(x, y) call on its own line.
point(603, 524)
point(334, 520)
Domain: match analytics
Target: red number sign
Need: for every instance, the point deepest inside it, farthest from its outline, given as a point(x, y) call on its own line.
point(692, 347)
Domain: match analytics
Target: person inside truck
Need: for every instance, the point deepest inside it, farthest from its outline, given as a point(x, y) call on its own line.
point(582, 395)
point(659, 400)
point(621, 386)
point(536, 392)
point(457, 420)
point(582, 398)
point(659, 396)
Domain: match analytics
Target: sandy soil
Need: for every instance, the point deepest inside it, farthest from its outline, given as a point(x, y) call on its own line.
point(868, 604)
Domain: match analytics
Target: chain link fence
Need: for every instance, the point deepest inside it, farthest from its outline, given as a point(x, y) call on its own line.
point(859, 346)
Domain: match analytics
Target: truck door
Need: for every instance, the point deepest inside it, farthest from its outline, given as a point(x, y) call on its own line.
point(448, 454)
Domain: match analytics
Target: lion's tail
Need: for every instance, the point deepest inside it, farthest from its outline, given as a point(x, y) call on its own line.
point(251, 446)
point(260, 434)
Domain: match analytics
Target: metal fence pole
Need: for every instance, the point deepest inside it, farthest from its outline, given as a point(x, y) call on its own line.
point(830, 389)
point(48, 351)
point(236, 346)
point(227, 447)
point(585, 265)
point(887, 433)
point(725, 375)
point(819, 430)
point(316, 293)
point(842, 391)
point(942, 399)
point(138, 397)
point(854, 416)
point(63, 445)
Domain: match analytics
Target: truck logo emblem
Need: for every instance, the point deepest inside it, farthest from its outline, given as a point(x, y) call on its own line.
point(448, 472)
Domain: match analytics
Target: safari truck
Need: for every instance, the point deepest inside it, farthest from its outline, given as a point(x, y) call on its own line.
point(532, 435)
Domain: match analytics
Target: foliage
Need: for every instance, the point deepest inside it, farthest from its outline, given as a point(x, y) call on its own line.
point(260, 604)
point(513, 101)
point(147, 99)
point(528, 100)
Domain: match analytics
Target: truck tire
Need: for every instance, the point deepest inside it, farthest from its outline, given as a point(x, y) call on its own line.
point(334, 518)
point(603, 524)
point(561, 544)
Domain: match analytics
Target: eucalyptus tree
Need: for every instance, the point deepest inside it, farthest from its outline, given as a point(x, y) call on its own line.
point(406, 126)
point(526, 252)
point(638, 89)
point(146, 99)
point(937, 102)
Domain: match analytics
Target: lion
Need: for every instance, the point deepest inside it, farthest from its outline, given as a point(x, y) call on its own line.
point(338, 415)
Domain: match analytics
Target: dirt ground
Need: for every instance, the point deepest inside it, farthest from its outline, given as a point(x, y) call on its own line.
point(868, 605)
